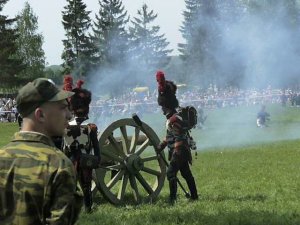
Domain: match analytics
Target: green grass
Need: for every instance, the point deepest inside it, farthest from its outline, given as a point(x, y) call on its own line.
point(6, 132)
point(251, 185)
point(245, 175)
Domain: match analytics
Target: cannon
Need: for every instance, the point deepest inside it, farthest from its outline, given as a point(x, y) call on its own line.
point(131, 171)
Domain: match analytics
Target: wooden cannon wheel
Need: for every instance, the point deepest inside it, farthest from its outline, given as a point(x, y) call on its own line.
point(131, 171)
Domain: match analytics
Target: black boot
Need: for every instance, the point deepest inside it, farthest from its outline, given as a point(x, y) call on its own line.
point(173, 190)
point(87, 197)
point(192, 187)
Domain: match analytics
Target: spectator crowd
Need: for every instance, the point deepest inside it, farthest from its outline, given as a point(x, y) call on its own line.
point(212, 98)
point(145, 101)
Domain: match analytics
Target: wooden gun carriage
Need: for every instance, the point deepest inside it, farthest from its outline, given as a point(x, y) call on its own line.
point(131, 170)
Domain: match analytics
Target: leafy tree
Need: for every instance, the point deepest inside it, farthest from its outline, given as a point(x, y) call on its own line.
point(78, 50)
point(10, 66)
point(148, 47)
point(29, 44)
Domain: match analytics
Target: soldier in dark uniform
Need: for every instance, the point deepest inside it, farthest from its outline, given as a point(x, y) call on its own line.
point(176, 139)
point(20, 120)
point(80, 139)
point(37, 181)
point(262, 117)
point(166, 90)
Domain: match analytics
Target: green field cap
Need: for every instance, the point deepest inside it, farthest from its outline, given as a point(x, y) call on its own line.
point(37, 92)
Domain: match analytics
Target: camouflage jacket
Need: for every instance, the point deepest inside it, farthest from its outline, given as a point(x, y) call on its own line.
point(37, 183)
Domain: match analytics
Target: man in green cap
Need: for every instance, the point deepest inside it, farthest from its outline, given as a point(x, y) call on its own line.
point(37, 181)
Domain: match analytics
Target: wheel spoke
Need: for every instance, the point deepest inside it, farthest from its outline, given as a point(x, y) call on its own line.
point(114, 167)
point(143, 147)
point(151, 171)
point(134, 140)
point(144, 183)
point(123, 186)
point(116, 145)
point(125, 142)
point(115, 179)
point(149, 158)
point(126, 165)
point(134, 188)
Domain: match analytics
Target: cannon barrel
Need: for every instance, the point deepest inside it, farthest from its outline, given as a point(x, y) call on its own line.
point(141, 139)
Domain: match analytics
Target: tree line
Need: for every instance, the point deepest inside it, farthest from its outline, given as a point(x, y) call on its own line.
point(223, 45)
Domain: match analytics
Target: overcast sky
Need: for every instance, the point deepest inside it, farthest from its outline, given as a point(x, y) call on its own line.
point(49, 16)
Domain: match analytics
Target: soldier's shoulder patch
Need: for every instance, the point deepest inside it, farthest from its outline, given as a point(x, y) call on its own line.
point(93, 127)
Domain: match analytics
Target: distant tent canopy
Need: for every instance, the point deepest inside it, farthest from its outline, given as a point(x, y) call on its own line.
point(141, 89)
point(181, 85)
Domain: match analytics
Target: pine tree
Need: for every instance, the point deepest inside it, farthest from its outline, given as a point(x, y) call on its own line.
point(148, 47)
point(29, 44)
point(10, 66)
point(109, 33)
point(231, 66)
point(190, 15)
point(110, 38)
point(78, 49)
point(200, 32)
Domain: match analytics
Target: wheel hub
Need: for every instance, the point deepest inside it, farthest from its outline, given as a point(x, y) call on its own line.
point(134, 163)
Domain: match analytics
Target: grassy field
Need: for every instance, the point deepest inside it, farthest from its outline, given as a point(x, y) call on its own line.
point(245, 175)
point(254, 185)
point(231, 127)
point(6, 132)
